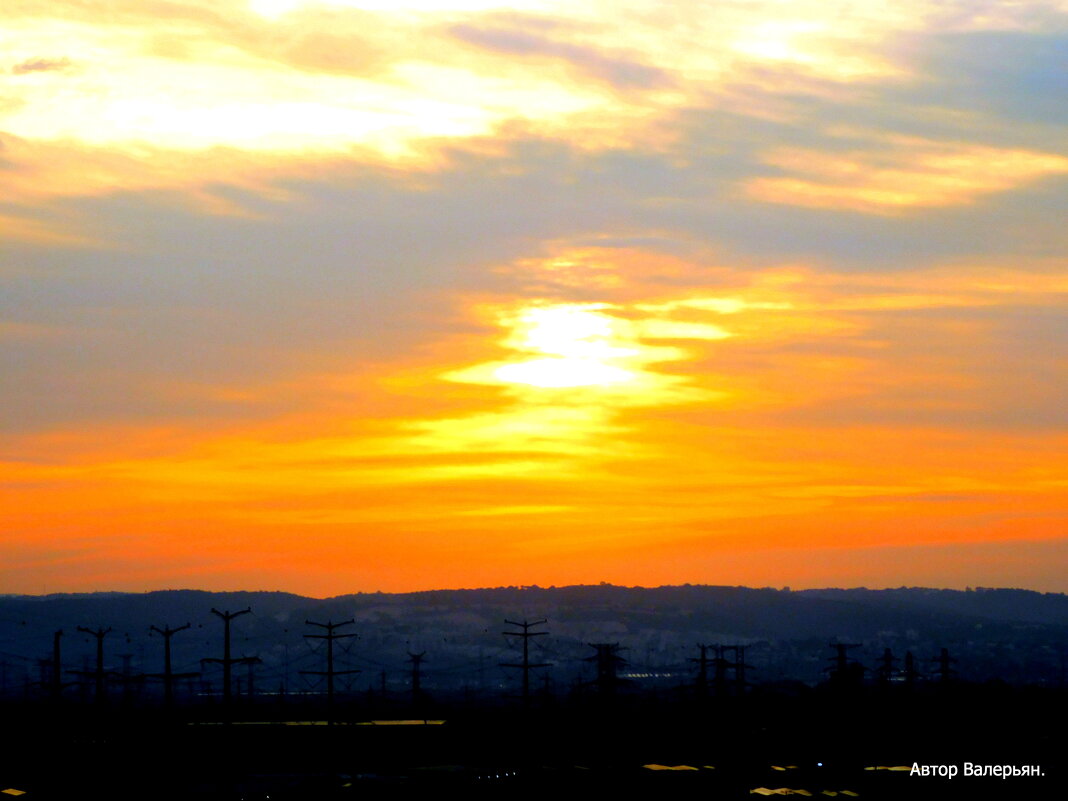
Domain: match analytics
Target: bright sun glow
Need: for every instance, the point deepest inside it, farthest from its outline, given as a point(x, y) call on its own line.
point(273, 8)
point(563, 373)
point(597, 346)
point(581, 344)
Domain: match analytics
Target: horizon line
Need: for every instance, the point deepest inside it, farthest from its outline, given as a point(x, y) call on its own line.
point(524, 588)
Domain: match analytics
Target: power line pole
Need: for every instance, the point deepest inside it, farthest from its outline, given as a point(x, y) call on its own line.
point(607, 660)
point(100, 633)
point(227, 661)
point(846, 674)
point(944, 671)
point(330, 636)
point(910, 672)
point(57, 684)
point(526, 666)
point(702, 672)
point(417, 661)
point(721, 664)
point(739, 669)
point(56, 677)
point(168, 675)
point(128, 679)
point(885, 672)
point(251, 687)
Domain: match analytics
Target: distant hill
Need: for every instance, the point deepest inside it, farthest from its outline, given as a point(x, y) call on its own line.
point(1008, 633)
point(740, 611)
point(996, 604)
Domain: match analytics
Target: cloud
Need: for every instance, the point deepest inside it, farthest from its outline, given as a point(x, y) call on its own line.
point(621, 73)
point(42, 65)
point(908, 173)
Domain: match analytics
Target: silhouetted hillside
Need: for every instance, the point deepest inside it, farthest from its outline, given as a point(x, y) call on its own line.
point(1015, 635)
point(982, 602)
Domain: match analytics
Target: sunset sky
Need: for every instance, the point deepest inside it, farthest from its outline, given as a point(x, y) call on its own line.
point(338, 296)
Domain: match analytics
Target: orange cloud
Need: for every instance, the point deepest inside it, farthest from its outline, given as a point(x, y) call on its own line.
point(912, 173)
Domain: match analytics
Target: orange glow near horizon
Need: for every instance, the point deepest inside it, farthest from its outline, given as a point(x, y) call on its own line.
point(561, 467)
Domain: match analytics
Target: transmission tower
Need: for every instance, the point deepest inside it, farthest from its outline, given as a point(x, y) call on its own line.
point(99, 674)
point(417, 661)
point(128, 679)
point(845, 673)
point(944, 671)
point(227, 661)
point(608, 660)
point(721, 663)
point(526, 665)
point(330, 636)
point(739, 666)
point(168, 676)
point(701, 685)
point(912, 674)
point(55, 677)
point(886, 670)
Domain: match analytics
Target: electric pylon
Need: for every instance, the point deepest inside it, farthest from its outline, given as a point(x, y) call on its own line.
point(227, 661)
point(330, 636)
point(526, 665)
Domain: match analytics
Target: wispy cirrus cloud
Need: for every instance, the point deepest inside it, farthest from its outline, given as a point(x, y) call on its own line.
point(617, 71)
point(906, 172)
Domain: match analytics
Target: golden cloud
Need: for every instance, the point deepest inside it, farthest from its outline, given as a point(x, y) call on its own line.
point(910, 173)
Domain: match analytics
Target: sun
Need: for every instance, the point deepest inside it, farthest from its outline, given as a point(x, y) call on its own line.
point(577, 345)
point(602, 349)
point(563, 373)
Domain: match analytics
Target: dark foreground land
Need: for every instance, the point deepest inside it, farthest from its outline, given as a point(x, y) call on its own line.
point(818, 744)
point(822, 694)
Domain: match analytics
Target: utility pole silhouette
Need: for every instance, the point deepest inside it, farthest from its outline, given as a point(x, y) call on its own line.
point(607, 660)
point(168, 675)
point(417, 661)
point(886, 670)
point(846, 673)
point(55, 679)
point(526, 665)
point(720, 664)
point(944, 671)
point(910, 671)
point(330, 636)
point(739, 666)
point(99, 675)
point(227, 661)
point(701, 686)
point(128, 679)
